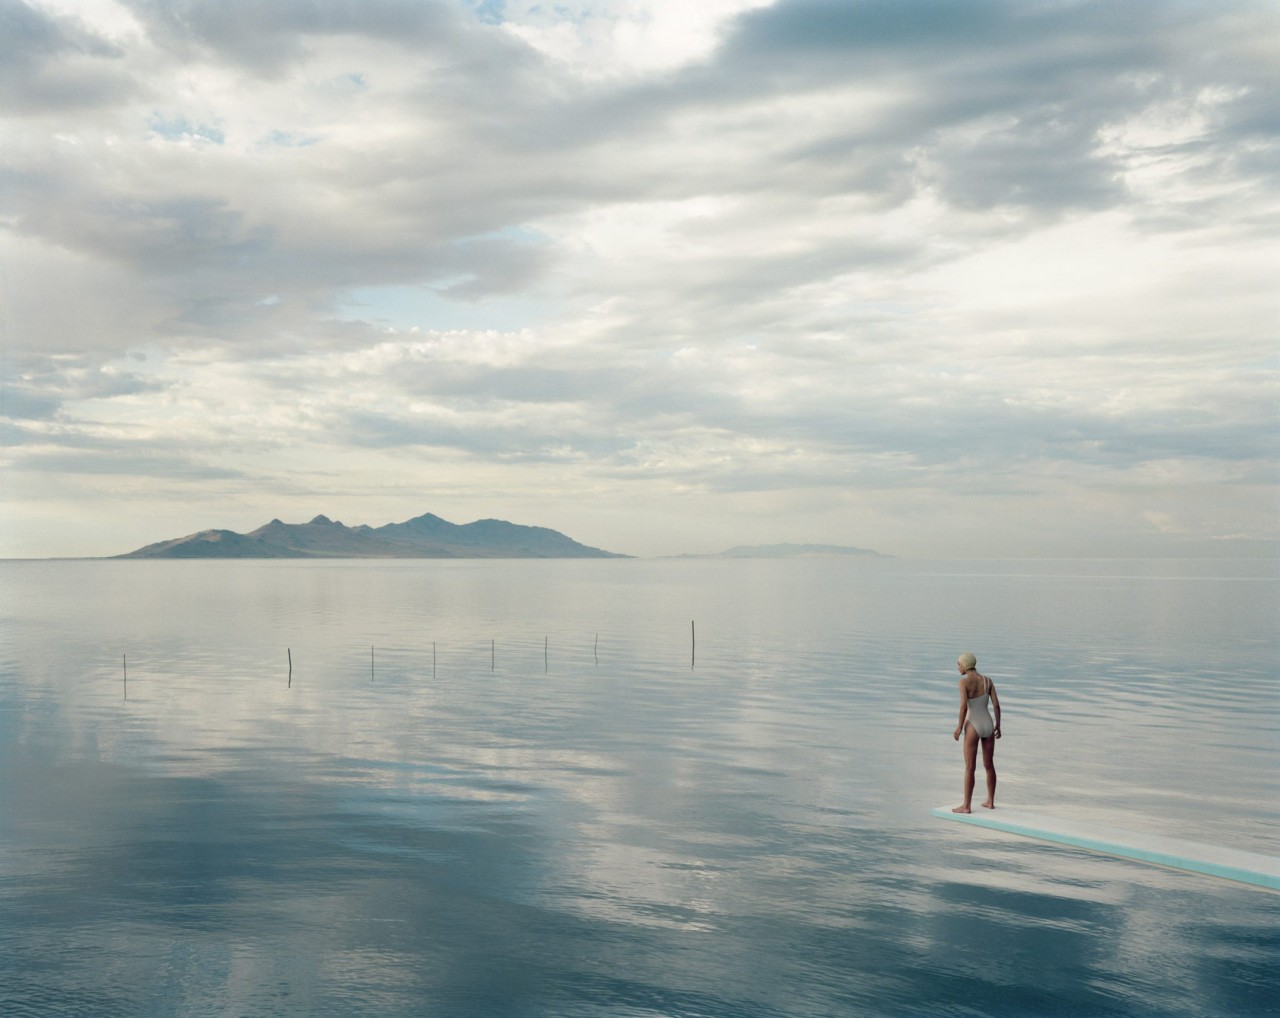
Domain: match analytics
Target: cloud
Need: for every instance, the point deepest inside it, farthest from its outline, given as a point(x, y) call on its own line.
point(1004, 104)
point(777, 249)
point(268, 36)
point(51, 63)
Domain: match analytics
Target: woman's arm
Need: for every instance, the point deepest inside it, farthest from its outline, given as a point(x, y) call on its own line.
point(964, 712)
point(995, 702)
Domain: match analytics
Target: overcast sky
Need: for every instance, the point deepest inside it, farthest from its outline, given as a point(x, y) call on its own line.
point(956, 279)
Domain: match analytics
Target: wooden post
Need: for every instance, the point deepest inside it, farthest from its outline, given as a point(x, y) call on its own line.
point(289, 651)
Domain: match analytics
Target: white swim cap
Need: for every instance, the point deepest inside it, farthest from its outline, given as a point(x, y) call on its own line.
point(967, 661)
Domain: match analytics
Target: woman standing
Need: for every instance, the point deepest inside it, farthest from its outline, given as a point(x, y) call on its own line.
point(977, 725)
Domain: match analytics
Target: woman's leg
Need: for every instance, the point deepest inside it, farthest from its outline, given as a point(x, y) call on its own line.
point(989, 762)
point(970, 765)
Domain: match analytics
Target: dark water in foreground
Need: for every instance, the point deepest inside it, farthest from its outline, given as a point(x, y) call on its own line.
point(529, 800)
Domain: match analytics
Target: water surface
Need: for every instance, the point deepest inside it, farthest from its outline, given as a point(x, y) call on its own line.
point(522, 788)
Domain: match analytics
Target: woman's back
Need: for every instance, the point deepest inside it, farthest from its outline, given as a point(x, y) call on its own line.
point(976, 686)
point(978, 690)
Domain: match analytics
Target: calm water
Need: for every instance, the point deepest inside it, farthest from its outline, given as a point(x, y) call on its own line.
point(510, 788)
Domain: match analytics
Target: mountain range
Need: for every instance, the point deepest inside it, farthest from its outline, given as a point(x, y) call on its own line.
point(426, 536)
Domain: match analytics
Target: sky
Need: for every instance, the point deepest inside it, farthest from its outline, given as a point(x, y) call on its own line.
point(992, 278)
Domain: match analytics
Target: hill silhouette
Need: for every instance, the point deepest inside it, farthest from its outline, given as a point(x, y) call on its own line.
point(426, 536)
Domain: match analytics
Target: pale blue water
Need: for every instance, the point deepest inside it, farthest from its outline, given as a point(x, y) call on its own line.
point(532, 801)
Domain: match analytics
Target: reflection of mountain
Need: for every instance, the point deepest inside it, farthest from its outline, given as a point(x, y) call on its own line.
point(793, 551)
point(424, 537)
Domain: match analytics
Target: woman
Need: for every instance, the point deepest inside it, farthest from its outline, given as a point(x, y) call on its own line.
point(976, 724)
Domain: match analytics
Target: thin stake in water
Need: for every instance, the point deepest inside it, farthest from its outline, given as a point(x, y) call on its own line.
point(693, 645)
point(289, 651)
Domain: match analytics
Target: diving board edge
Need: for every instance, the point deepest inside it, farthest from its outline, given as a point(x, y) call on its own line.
point(1228, 864)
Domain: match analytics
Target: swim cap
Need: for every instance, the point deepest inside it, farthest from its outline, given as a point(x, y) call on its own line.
point(967, 661)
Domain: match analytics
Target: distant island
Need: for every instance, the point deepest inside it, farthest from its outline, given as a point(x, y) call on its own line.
point(791, 551)
point(426, 536)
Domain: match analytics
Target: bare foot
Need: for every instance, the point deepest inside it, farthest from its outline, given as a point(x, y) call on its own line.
point(962, 809)
point(988, 805)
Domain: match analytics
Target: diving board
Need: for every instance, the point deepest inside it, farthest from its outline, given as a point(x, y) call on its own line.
point(1212, 860)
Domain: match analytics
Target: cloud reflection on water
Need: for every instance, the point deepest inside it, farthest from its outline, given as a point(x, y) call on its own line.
point(748, 837)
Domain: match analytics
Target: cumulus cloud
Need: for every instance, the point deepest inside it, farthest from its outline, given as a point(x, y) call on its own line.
point(807, 253)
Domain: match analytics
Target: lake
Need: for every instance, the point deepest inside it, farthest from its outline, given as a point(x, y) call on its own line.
point(626, 787)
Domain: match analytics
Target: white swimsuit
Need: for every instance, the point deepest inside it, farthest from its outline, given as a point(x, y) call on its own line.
point(979, 716)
